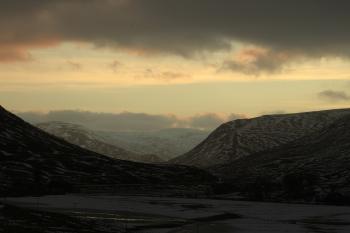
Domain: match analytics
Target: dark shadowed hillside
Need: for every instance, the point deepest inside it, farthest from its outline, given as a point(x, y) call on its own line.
point(241, 138)
point(315, 167)
point(88, 139)
point(33, 162)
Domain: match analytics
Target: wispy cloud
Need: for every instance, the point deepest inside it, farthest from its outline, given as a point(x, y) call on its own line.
point(276, 112)
point(211, 120)
point(76, 66)
point(167, 76)
point(334, 96)
point(115, 65)
point(256, 60)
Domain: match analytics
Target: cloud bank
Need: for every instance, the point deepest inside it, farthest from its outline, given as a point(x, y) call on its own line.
point(254, 61)
point(313, 28)
point(127, 121)
point(334, 96)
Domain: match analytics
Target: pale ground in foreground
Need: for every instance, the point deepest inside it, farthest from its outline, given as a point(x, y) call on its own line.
point(177, 215)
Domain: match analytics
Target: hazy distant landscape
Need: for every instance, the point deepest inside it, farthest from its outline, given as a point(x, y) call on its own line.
point(151, 146)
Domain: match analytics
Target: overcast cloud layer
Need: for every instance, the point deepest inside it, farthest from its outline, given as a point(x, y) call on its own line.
point(310, 28)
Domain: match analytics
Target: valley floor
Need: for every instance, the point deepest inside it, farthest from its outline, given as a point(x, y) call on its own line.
point(179, 215)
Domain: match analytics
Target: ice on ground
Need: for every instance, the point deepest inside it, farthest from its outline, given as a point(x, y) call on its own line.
point(186, 214)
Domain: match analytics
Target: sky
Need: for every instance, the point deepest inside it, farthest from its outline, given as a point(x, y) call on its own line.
point(191, 63)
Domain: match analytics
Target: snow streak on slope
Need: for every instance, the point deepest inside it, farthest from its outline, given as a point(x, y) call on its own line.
point(33, 161)
point(241, 138)
point(88, 139)
point(166, 143)
point(315, 167)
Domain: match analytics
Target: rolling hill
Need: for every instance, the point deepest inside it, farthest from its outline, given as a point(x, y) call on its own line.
point(241, 138)
point(315, 167)
point(88, 139)
point(35, 162)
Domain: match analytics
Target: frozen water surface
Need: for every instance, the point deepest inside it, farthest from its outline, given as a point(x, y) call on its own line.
point(180, 215)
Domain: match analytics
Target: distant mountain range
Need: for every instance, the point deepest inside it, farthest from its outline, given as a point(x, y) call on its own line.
point(88, 139)
point(35, 162)
point(143, 146)
point(241, 138)
point(165, 143)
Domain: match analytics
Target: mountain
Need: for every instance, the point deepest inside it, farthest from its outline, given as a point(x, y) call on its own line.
point(88, 139)
point(35, 162)
point(315, 167)
point(244, 137)
point(166, 143)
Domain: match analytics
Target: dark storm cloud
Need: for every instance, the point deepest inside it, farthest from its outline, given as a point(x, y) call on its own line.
point(127, 121)
point(259, 61)
point(267, 65)
point(182, 27)
point(334, 96)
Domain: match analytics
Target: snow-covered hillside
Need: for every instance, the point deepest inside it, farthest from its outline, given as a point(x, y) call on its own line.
point(315, 167)
point(166, 143)
point(88, 139)
point(35, 162)
point(243, 137)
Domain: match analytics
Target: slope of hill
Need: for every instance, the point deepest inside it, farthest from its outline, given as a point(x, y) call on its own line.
point(241, 138)
point(85, 138)
point(166, 143)
point(315, 167)
point(33, 161)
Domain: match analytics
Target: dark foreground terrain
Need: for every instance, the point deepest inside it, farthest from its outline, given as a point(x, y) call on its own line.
point(179, 215)
point(27, 220)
